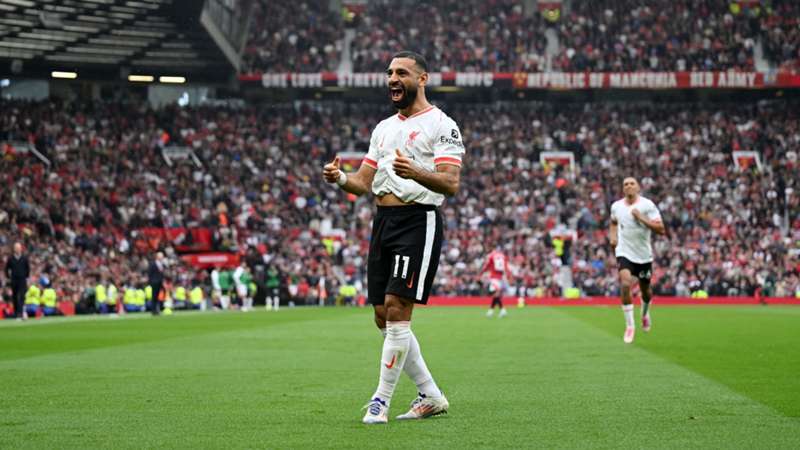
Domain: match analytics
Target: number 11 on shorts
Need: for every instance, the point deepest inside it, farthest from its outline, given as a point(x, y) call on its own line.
point(406, 259)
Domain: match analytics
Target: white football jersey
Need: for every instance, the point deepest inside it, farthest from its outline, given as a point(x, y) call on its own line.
point(633, 238)
point(237, 276)
point(428, 137)
point(215, 279)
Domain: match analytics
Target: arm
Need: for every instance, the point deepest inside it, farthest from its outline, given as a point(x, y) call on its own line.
point(612, 233)
point(445, 180)
point(355, 183)
point(655, 225)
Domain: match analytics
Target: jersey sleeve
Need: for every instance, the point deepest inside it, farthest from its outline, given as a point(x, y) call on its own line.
point(653, 213)
point(613, 216)
point(448, 147)
point(371, 158)
point(486, 264)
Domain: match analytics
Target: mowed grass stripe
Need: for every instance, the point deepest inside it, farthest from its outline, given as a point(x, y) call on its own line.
point(752, 349)
point(540, 378)
point(67, 334)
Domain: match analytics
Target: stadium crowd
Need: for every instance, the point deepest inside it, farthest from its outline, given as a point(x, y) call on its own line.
point(297, 36)
point(259, 190)
point(781, 31)
point(501, 36)
point(454, 35)
point(660, 35)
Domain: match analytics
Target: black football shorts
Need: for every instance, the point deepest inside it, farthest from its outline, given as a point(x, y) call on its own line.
point(404, 252)
point(640, 271)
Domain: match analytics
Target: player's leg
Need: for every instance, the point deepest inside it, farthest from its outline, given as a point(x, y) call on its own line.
point(647, 296)
point(415, 366)
point(241, 294)
point(378, 267)
point(494, 294)
point(423, 262)
point(500, 293)
point(625, 286)
point(268, 300)
point(393, 356)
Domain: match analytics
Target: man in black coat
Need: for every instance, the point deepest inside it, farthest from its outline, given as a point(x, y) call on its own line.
point(17, 271)
point(155, 277)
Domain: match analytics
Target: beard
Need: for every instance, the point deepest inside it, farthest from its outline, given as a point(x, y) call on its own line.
point(409, 95)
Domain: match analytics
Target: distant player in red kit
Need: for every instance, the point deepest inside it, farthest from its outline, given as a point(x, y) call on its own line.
point(496, 266)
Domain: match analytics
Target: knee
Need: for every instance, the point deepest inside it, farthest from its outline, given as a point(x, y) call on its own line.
point(626, 283)
point(398, 309)
point(380, 316)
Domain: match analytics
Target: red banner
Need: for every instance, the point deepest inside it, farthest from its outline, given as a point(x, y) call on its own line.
point(209, 260)
point(183, 239)
point(540, 80)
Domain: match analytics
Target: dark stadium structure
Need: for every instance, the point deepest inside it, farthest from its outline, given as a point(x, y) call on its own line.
point(111, 39)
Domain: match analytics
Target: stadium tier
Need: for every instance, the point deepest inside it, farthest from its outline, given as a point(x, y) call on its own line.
point(253, 188)
point(520, 36)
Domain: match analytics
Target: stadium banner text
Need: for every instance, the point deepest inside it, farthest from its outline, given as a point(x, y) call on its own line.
point(539, 80)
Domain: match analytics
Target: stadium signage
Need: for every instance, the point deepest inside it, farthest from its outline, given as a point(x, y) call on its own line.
point(643, 80)
point(474, 79)
point(724, 79)
point(285, 80)
point(542, 80)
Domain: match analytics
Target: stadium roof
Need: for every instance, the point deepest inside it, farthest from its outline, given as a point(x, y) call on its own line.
point(108, 38)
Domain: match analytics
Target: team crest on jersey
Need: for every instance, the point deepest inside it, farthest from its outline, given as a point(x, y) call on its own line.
point(454, 133)
point(411, 136)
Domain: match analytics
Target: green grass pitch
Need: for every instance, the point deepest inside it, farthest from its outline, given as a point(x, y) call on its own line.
point(705, 377)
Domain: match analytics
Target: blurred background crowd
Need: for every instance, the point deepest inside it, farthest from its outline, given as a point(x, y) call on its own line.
point(259, 191)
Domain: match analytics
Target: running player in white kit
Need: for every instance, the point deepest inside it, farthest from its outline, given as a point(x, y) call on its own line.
point(633, 220)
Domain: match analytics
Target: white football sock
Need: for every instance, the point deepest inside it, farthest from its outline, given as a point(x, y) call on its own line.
point(627, 310)
point(393, 358)
point(417, 370)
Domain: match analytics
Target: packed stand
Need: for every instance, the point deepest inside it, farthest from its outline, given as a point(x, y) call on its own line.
point(725, 225)
point(295, 36)
point(780, 26)
point(260, 192)
point(501, 36)
point(660, 35)
point(463, 36)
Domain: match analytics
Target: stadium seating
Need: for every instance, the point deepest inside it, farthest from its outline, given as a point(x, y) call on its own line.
point(502, 36)
point(259, 187)
point(278, 41)
point(664, 35)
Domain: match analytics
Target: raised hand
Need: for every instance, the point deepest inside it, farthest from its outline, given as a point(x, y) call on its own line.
point(403, 166)
point(637, 215)
point(331, 171)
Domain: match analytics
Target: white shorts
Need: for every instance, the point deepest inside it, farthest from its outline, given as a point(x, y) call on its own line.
point(497, 286)
point(241, 290)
